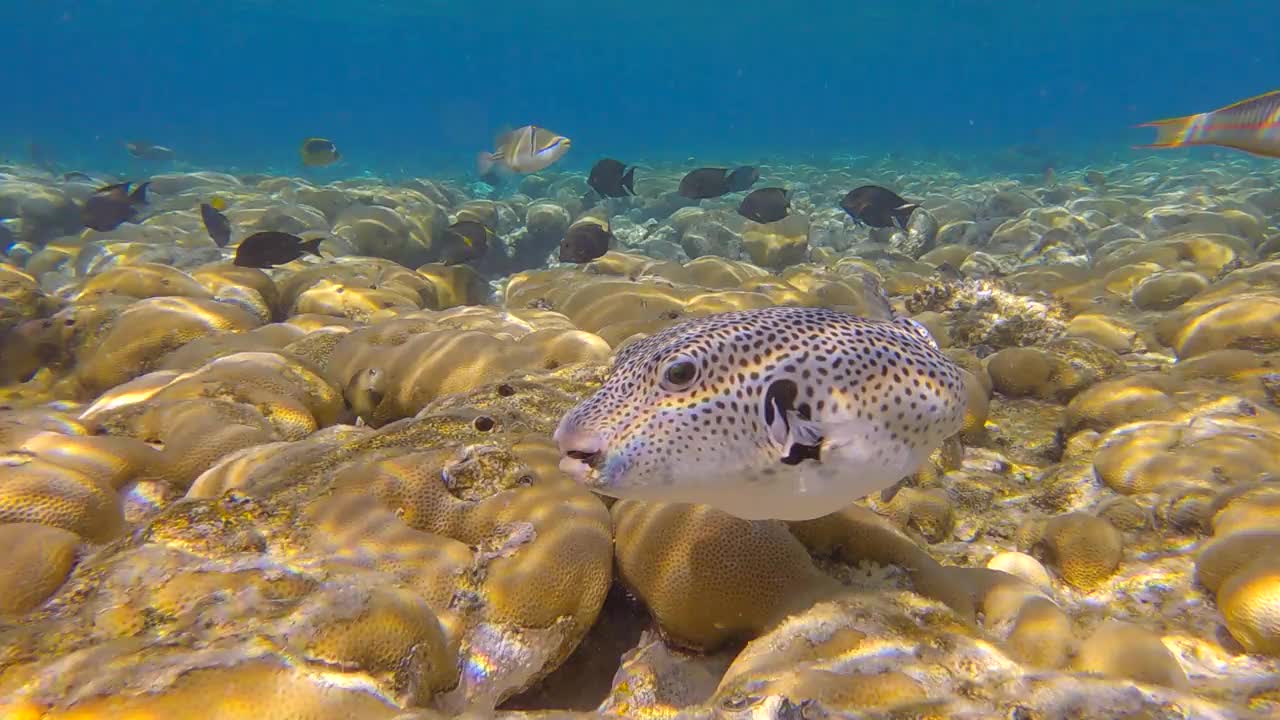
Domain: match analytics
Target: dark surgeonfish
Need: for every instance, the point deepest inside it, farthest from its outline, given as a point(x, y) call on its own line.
point(1251, 125)
point(878, 207)
point(585, 241)
point(465, 241)
point(319, 152)
point(217, 224)
point(742, 178)
point(704, 183)
point(609, 179)
point(109, 207)
point(947, 271)
point(147, 151)
point(271, 248)
point(765, 205)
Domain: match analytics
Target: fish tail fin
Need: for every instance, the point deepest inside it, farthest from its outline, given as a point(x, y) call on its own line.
point(901, 215)
point(629, 180)
point(485, 162)
point(313, 246)
point(1170, 132)
point(139, 194)
point(503, 134)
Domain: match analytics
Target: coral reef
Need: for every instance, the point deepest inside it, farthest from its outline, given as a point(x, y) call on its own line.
point(329, 489)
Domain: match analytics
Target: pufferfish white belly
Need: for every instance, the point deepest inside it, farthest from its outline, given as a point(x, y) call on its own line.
point(786, 413)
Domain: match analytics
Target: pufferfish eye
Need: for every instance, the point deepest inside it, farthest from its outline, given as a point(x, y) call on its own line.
point(679, 374)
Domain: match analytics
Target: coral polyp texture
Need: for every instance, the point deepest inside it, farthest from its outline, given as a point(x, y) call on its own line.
point(330, 488)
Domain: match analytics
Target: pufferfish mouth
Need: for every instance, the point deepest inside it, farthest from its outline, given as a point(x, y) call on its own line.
point(592, 459)
point(582, 465)
point(582, 455)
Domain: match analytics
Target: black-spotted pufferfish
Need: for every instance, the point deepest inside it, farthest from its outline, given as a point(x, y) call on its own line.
point(783, 412)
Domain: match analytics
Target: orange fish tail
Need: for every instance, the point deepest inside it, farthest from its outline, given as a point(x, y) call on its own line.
point(1170, 132)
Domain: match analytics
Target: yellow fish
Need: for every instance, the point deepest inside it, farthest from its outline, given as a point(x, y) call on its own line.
point(218, 203)
point(524, 150)
point(1251, 125)
point(319, 152)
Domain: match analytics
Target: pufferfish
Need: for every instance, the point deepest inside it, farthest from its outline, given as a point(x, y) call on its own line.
point(783, 412)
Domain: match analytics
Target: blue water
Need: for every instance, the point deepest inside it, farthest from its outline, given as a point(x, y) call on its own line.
point(417, 87)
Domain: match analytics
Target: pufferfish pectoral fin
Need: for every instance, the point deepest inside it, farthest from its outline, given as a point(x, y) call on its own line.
point(805, 432)
point(795, 437)
point(804, 442)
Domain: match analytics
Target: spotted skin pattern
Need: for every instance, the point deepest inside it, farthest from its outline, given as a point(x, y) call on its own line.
point(781, 412)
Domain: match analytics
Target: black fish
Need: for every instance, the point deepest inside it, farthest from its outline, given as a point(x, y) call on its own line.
point(75, 175)
point(742, 178)
point(584, 242)
point(704, 183)
point(271, 248)
point(147, 151)
point(947, 271)
point(464, 241)
point(878, 207)
point(216, 223)
point(608, 178)
point(765, 205)
point(112, 205)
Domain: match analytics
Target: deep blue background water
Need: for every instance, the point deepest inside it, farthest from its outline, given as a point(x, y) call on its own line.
point(417, 87)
